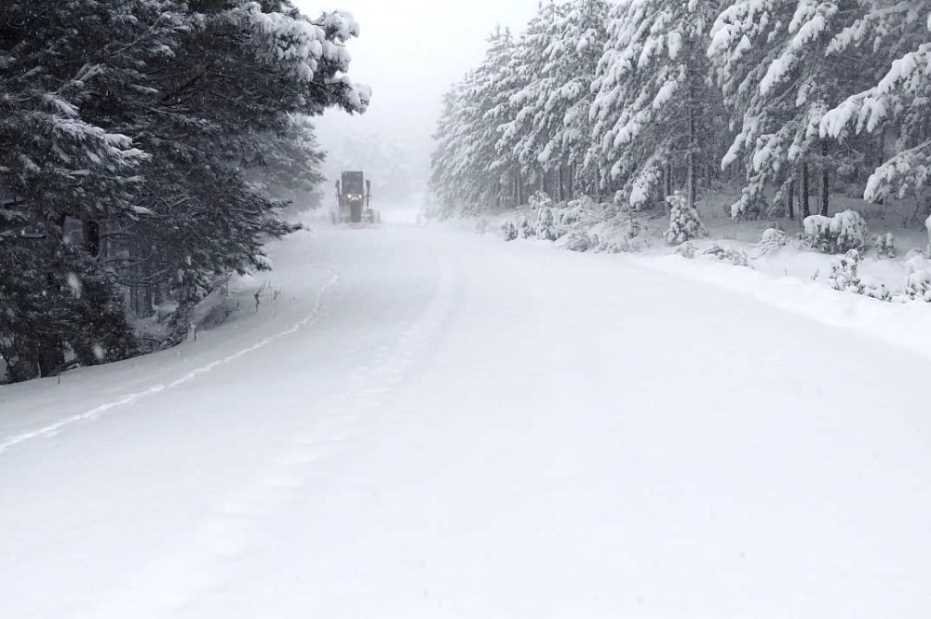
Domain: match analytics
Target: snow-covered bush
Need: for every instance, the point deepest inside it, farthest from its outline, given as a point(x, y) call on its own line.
point(540, 200)
point(845, 273)
point(774, 236)
point(546, 225)
point(684, 222)
point(918, 278)
point(918, 286)
point(733, 256)
point(845, 276)
point(576, 211)
point(836, 235)
point(527, 231)
point(510, 231)
point(885, 245)
point(575, 241)
point(687, 250)
point(623, 233)
point(772, 241)
point(851, 229)
point(817, 230)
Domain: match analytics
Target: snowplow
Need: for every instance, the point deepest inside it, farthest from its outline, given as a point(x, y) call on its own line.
point(354, 200)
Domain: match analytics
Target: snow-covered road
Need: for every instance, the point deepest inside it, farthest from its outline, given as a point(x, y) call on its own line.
point(432, 424)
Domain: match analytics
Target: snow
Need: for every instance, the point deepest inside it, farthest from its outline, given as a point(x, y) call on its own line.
point(429, 423)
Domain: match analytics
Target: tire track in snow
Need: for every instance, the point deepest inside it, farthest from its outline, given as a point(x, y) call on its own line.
point(95, 413)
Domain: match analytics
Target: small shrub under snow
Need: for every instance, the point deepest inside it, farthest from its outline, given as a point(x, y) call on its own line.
point(733, 256)
point(774, 236)
point(687, 250)
point(684, 222)
point(526, 230)
point(918, 286)
point(918, 278)
point(625, 232)
point(575, 241)
point(540, 199)
point(546, 225)
point(836, 235)
point(510, 231)
point(772, 241)
point(845, 276)
point(885, 245)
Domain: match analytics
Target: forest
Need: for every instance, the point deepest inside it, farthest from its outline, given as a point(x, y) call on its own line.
point(786, 103)
point(148, 150)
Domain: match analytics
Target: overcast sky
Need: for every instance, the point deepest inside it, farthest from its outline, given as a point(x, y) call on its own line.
point(409, 52)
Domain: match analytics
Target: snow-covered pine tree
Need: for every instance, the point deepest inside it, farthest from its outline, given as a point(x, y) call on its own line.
point(61, 167)
point(467, 172)
point(770, 63)
point(448, 142)
point(530, 82)
point(237, 72)
point(135, 119)
point(653, 105)
point(506, 79)
point(286, 164)
point(572, 57)
point(896, 35)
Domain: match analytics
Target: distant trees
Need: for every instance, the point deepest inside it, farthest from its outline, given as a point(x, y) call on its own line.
point(132, 123)
point(466, 167)
point(520, 120)
point(798, 98)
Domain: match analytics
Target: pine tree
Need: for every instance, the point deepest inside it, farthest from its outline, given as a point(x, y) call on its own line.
point(286, 164)
point(653, 101)
point(532, 81)
point(467, 170)
point(134, 121)
point(573, 57)
point(770, 63)
point(896, 34)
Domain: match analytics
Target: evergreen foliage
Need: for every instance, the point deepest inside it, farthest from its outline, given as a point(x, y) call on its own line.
point(788, 99)
point(146, 125)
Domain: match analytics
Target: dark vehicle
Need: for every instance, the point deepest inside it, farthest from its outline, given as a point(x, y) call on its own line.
point(354, 195)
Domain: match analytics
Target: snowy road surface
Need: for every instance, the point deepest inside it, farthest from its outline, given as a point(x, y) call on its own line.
point(432, 424)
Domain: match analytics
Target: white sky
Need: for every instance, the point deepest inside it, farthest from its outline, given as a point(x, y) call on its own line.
point(409, 52)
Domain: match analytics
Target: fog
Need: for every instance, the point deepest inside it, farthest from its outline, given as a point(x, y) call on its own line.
point(409, 52)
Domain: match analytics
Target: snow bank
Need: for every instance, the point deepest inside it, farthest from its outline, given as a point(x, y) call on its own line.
point(906, 325)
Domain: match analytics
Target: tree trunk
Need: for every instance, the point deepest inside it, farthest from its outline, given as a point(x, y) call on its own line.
point(520, 188)
point(825, 180)
point(881, 158)
point(790, 200)
point(803, 190)
point(693, 140)
point(667, 181)
point(571, 182)
point(92, 237)
point(692, 172)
